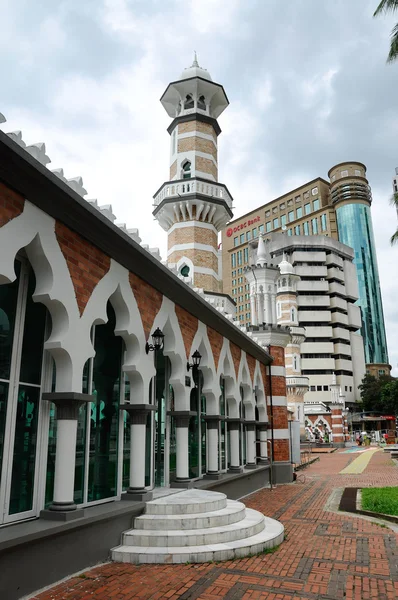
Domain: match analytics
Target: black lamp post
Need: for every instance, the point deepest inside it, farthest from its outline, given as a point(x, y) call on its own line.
point(158, 339)
point(196, 358)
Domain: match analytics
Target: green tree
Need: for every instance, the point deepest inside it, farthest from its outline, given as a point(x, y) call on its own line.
point(390, 6)
point(394, 202)
point(379, 395)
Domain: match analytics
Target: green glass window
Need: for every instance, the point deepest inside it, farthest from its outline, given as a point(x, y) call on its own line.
point(299, 212)
point(8, 304)
point(307, 208)
point(314, 224)
point(306, 228)
point(242, 238)
point(245, 255)
point(239, 255)
point(324, 224)
point(297, 230)
point(186, 170)
point(236, 241)
point(255, 232)
point(233, 260)
point(290, 215)
point(261, 228)
point(283, 220)
point(290, 231)
point(275, 223)
point(248, 236)
point(315, 204)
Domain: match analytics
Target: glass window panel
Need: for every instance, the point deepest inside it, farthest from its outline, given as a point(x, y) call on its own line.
point(316, 204)
point(299, 212)
point(233, 260)
point(248, 236)
point(324, 224)
point(261, 228)
point(52, 441)
point(290, 215)
point(33, 337)
point(268, 226)
point(283, 220)
point(314, 223)
point(306, 228)
point(23, 464)
point(255, 232)
point(290, 232)
point(242, 238)
point(8, 307)
point(275, 223)
point(246, 255)
point(307, 208)
point(3, 412)
point(236, 241)
point(78, 495)
point(297, 230)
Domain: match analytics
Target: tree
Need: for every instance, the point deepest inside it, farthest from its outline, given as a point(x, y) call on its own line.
point(394, 202)
point(390, 6)
point(379, 395)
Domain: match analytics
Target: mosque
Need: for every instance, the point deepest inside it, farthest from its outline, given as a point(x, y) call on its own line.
point(124, 379)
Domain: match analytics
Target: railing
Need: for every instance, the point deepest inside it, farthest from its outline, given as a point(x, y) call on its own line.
point(193, 186)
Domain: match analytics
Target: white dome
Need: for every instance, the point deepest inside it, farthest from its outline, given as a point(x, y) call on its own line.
point(195, 71)
point(285, 267)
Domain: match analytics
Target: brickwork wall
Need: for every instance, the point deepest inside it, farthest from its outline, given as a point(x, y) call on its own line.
point(189, 326)
point(87, 265)
point(197, 144)
point(216, 342)
point(251, 363)
point(236, 353)
point(281, 450)
point(205, 165)
point(278, 354)
point(280, 417)
point(11, 204)
point(148, 300)
point(200, 258)
point(207, 282)
point(197, 126)
point(173, 170)
point(192, 234)
point(278, 385)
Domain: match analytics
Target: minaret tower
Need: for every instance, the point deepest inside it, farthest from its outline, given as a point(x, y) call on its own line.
point(192, 206)
point(287, 315)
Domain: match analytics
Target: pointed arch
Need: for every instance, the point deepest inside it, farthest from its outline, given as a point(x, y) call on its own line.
point(226, 370)
point(211, 387)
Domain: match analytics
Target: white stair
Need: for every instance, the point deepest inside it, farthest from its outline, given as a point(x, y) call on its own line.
point(197, 526)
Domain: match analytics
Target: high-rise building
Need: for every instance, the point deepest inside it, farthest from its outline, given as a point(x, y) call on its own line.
point(395, 181)
point(339, 209)
point(192, 206)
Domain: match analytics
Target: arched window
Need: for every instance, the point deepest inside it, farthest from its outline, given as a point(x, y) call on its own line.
point(278, 310)
point(184, 271)
point(296, 362)
point(189, 103)
point(186, 170)
point(202, 103)
point(293, 315)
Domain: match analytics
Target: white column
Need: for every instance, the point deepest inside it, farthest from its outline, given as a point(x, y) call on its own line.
point(266, 314)
point(65, 456)
point(182, 449)
point(251, 445)
point(260, 307)
point(263, 444)
point(253, 309)
point(212, 446)
point(273, 308)
point(234, 436)
point(137, 455)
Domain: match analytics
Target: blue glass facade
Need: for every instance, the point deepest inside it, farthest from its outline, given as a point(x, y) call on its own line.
point(355, 229)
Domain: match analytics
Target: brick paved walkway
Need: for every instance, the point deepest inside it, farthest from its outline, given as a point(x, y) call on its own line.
point(325, 556)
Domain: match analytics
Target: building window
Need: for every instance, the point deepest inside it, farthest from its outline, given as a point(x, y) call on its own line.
point(307, 208)
point(245, 255)
point(312, 388)
point(314, 223)
point(297, 230)
point(242, 238)
point(184, 271)
point(233, 273)
point(324, 223)
point(233, 260)
point(234, 282)
point(239, 271)
point(344, 174)
point(174, 145)
point(202, 103)
point(306, 228)
point(283, 220)
point(296, 362)
point(314, 191)
point(236, 241)
point(278, 310)
point(316, 204)
point(248, 316)
point(299, 212)
point(357, 172)
point(255, 232)
point(248, 236)
point(186, 170)
point(261, 228)
point(189, 103)
point(293, 315)
point(290, 232)
point(275, 223)
point(239, 254)
point(268, 227)
point(290, 215)
point(325, 388)
point(350, 388)
point(382, 372)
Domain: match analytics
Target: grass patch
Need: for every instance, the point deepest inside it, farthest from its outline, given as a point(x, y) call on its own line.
point(381, 500)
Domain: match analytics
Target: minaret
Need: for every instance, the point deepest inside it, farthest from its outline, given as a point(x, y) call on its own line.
point(192, 206)
point(337, 406)
point(287, 315)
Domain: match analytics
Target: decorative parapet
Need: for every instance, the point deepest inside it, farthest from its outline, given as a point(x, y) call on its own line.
point(189, 187)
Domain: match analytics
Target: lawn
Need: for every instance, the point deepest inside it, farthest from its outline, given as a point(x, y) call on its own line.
point(381, 500)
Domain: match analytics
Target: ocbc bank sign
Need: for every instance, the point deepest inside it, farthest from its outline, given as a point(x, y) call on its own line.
point(231, 230)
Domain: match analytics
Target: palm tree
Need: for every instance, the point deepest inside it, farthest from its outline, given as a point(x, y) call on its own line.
point(387, 6)
point(394, 202)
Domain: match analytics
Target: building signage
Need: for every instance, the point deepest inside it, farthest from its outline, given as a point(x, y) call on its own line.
point(231, 231)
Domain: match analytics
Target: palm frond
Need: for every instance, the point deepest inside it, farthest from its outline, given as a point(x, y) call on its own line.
point(386, 6)
point(393, 54)
point(394, 238)
point(394, 200)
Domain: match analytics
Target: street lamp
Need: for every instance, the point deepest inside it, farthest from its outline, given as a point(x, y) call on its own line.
point(196, 358)
point(157, 338)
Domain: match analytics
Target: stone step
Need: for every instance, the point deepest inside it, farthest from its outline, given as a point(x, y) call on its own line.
point(187, 502)
point(252, 523)
point(232, 513)
point(271, 536)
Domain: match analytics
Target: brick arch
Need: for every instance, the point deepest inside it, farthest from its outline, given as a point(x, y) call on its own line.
point(149, 301)
point(11, 205)
point(188, 325)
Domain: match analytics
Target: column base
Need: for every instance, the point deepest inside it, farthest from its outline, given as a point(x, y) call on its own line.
point(250, 466)
point(59, 511)
point(235, 470)
point(184, 483)
point(263, 461)
point(137, 495)
point(212, 475)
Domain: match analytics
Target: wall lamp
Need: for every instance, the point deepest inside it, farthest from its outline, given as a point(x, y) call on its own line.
point(158, 339)
point(196, 358)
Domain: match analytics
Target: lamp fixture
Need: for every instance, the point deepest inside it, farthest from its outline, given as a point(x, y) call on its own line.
point(196, 358)
point(158, 339)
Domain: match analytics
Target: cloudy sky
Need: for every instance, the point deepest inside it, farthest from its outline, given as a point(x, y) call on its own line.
point(307, 82)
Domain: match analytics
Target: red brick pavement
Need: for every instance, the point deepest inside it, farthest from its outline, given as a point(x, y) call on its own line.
point(325, 555)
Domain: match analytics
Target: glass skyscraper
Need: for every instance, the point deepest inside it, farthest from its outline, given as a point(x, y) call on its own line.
point(351, 197)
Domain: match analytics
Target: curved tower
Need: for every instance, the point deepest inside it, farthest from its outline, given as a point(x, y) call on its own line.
point(351, 197)
point(193, 206)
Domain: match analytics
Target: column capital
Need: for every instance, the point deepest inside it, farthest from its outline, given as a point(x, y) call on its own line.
point(138, 412)
point(234, 423)
point(67, 403)
point(182, 417)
